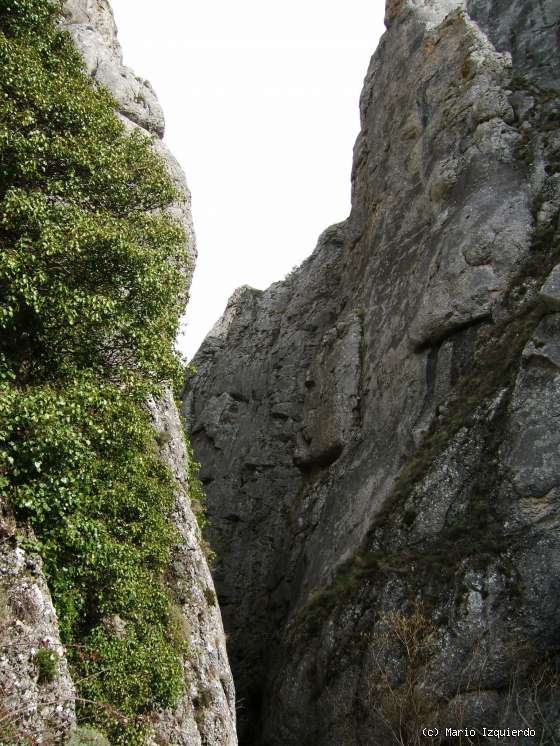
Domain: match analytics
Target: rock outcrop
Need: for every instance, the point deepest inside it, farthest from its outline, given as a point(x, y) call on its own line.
point(43, 711)
point(379, 431)
point(92, 27)
point(206, 714)
point(44, 704)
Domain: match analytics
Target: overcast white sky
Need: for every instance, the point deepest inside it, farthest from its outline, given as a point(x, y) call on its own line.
point(261, 104)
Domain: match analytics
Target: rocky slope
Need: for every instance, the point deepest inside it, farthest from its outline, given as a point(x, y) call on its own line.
point(379, 431)
point(37, 711)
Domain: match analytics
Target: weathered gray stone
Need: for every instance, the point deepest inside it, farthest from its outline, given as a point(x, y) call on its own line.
point(528, 30)
point(93, 30)
point(534, 441)
point(30, 708)
point(379, 432)
point(550, 291)
point(206, 714)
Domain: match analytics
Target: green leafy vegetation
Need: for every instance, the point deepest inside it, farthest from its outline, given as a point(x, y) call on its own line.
point(92, 284)
point(196, 488)
point(47, 664)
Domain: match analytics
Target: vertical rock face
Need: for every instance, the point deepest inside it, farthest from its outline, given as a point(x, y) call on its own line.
point(92, 27)
point(35, 703)
point(206, 713)
point(379, 431)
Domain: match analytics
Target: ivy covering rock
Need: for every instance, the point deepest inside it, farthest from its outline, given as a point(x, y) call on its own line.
point(92, 285)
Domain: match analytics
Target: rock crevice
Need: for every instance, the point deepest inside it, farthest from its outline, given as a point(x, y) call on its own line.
point(377, 430)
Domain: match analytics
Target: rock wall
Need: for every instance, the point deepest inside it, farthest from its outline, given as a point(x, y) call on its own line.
point(45, 709)
point(206, 714)
point(31, 706)
point(379, 431)
point(92, 27)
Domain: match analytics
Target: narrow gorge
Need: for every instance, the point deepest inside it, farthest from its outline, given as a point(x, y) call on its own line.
point(378, 433)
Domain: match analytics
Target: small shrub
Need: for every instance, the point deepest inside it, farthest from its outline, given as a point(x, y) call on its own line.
point(197, 495)
point(47, 664)
point(180, 627)
point(399, 700)
point(210, 596)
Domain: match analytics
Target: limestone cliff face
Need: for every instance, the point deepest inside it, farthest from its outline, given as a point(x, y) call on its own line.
point(206, 714)
point(28, 624)
point(46, 710)
point(92, 27)
point(379, 431)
